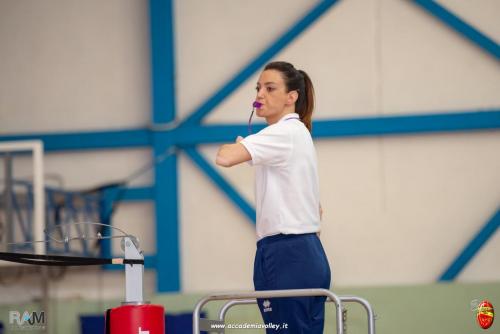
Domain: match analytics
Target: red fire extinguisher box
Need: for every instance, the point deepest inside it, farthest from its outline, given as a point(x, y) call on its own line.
point(135, 319)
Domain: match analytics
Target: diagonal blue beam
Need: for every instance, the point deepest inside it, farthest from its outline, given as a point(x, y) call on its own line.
point(479, 240)
point(256, 64)
point(219, 181)
point(354, 127)
point(462, 27)
point(88, 140)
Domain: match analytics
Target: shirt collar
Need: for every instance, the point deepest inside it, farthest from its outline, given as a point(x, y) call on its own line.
point(290, 116)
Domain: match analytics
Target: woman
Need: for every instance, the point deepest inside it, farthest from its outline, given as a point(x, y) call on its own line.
point(289, 253)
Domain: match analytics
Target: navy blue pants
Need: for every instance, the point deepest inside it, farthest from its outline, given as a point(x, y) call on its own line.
point(293, 261)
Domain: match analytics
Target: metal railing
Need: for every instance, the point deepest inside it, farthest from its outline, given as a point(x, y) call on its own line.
point(344, 299)
point(250, 298)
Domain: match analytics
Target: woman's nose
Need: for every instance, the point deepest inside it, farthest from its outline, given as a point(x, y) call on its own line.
point(260, 93)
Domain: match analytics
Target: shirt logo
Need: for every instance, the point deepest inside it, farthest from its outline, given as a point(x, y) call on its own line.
point(267, 305)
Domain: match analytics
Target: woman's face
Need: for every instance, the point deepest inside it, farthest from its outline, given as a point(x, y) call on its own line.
point(272, 93)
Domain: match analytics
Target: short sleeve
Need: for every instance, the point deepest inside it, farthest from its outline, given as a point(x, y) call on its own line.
point(271, 146)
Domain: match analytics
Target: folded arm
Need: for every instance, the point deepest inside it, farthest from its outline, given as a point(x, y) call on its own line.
point(232, 154)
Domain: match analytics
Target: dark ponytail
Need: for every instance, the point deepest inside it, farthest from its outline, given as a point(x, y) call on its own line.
point(301, 82)
point(305, 111)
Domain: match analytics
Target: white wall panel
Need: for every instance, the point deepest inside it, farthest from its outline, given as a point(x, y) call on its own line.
point(217, 242)
point(74, 65)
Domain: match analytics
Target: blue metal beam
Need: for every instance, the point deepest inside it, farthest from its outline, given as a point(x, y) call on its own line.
point(479, 240)
point(189, 135)
point(106, 208)
point(139, 194)
point(165, 173)
point(256, 64)
point(167, 220)
point(88, 140)
point(224, 185)
point(462, 27)
point(408, 124)
point(354, 127)
point(162, 60)
point(133, 194)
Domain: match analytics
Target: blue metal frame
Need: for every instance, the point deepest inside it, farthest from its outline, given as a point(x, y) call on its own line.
point(164, 106)
point(355, 127)
point(189, 135)
point(138, 194)
point(472, 248)
point(90, 140)
point(462, 27)
point(190, 132)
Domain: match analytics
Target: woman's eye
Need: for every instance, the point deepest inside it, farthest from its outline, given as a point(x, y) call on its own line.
point(270, 89)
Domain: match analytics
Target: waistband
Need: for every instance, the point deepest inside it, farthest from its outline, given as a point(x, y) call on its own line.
point(279, 237)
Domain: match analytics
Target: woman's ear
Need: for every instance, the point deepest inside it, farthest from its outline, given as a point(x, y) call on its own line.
point(292, 97)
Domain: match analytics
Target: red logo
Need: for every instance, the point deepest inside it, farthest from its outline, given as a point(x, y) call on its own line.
point(485, 314)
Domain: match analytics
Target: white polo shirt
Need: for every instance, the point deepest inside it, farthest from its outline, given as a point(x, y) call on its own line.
point(286, 180)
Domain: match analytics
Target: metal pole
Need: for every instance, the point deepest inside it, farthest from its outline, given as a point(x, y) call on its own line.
point(368, 308)
point(39, 222)
point(270, 294)
point(134, 273)
point(8, 224)
point(35, 146)
point(225, 308)
point(39, 195)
